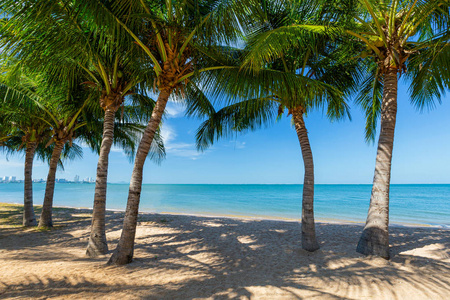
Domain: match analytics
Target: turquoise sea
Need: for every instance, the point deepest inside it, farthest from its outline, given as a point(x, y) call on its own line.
point(410, 203)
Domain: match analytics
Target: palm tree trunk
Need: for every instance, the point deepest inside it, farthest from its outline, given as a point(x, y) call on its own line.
point(46, 215)
point(97, 241)
point(124, 251)
point(375, 237)
point(29, 219)
point(309, 241)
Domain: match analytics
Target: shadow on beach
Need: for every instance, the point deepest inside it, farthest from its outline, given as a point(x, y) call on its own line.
point(187, 257)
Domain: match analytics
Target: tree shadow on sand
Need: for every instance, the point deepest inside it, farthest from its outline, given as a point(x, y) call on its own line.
point(65, 222)
point(183, 257)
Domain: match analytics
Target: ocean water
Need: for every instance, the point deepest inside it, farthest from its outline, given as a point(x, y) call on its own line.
point(409, 204)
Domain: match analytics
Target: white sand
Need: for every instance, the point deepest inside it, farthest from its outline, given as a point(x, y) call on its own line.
point(188, 257)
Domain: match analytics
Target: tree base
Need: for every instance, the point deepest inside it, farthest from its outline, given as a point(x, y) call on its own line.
point(119, 258)
point(374, 241)
point(45, 225)
point(30, 223)
point(310, 245)
point(96, 247)
point(44, 228)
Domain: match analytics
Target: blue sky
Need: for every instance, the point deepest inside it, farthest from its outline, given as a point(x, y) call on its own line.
point(272, 155)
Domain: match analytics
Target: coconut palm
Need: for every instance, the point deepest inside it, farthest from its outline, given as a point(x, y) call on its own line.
point(319, 64)
point(68, 37)
point(71, 119)
point(24, 128)
point(20, 131)
point(396, 35)
point(64, 120)
point(393, 38)
point(174, 36)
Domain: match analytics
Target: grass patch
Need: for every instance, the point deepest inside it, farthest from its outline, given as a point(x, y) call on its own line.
point(11, 216)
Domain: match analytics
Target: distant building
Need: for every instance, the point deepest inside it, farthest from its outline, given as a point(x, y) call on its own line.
point(12, 179)
point(5, 178)
point(89, 180)
point(76, 179)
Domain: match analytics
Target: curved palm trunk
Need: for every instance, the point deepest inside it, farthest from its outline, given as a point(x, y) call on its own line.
point(375, 237)
point(309, 241)
point(46, 215)
point(29, 219)
point(97, 241)
point(124, 251)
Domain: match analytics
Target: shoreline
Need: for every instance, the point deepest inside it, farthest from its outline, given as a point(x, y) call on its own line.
point(257, 218)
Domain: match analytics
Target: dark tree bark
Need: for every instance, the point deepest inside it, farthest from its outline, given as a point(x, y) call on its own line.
point(97, 240)
point(375, 237)
point(123, 254)
point(29, 219)
point(46, 215)
point(309, 241)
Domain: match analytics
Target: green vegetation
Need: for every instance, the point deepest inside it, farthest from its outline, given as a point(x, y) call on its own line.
point(87, 67)
point(11, 216)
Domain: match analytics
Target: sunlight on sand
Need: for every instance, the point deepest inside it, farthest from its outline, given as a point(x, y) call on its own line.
point(188, 257)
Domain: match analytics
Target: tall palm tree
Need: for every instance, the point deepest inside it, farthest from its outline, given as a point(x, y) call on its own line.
point(392, 37)
point(73, 118)
point(64, 120)
point(322, 77)
point(68, 37)
point(20, 131)
point(174, 36)
point(127, 132)
point(396, 35)
point(22, 112)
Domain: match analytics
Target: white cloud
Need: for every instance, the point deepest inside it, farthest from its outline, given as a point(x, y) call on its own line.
point(177, 149)
point(174, 109)
point(167, 134)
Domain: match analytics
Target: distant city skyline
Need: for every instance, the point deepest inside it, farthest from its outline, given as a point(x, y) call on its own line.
point(13, 179)
point(272, 155)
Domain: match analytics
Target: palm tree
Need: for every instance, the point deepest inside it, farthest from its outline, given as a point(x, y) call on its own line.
point(393, 37)
point(22, 120)
point(127, 132)
point(19, 131)
point(74, 118)
point(174, 36)
point(64, 120)
point(396, 35)
point(68, 37)
point(321, 77)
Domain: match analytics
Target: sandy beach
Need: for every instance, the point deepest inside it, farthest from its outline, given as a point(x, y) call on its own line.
point(191, 257)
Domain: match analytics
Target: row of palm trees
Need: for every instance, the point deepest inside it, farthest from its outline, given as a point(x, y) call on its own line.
point(40, 117)
point(256, 59)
